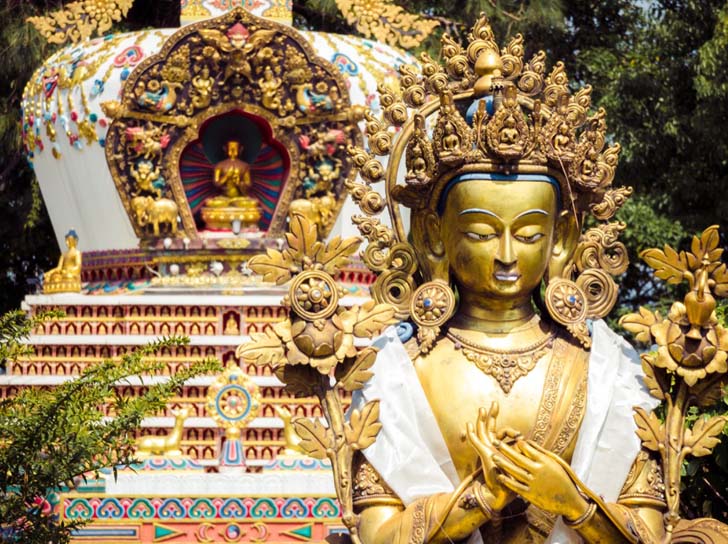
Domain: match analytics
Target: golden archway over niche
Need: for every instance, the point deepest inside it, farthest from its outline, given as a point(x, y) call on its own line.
point(234, 66)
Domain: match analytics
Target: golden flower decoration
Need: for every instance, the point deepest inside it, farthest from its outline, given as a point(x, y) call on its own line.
point(320, 344)
point(691, 359)
point(314, 295)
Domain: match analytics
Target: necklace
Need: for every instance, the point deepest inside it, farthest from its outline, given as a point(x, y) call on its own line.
point(505, 365)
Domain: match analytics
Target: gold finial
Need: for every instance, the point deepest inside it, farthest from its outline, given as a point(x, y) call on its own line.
point(488, 66)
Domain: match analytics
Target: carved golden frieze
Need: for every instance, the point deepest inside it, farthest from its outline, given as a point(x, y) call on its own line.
point(78, 21)
point(387, 22)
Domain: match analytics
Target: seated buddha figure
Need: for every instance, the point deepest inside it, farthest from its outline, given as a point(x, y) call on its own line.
point(66, 277)
point(232, 177)
point(512, 422)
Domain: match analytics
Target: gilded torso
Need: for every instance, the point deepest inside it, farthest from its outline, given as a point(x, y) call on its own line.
point(546, 404)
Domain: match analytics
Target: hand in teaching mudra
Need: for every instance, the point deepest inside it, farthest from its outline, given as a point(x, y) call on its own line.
point(483, 437)
point(539, 477)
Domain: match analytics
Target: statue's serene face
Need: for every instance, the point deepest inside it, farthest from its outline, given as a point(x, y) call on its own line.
point(498, 236)
point(233, 148)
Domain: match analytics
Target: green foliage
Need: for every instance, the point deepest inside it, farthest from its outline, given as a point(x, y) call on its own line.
point(14, 327)
point(646, 228)
point(666, 109)
point(55, 437)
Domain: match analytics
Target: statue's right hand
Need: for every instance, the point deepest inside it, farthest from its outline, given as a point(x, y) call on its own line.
point(482, 436)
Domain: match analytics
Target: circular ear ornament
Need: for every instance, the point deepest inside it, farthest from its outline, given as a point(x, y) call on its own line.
point(432, 304)
point(568, 305)
point(565, 301)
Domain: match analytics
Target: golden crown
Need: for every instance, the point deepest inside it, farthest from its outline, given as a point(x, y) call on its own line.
point(493, 113)
point(485, 110)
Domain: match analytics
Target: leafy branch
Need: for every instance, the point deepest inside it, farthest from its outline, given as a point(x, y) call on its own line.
point(56, 437)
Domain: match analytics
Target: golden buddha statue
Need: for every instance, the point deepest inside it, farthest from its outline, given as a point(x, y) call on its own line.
point(500, 389)
point(66, 277)
point(232, 177)
point(509, 417)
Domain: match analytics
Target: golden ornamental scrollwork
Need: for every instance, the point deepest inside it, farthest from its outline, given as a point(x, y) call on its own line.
point(313, 351)
point(387, 22)
point(79, 21)
point(690, 365)
point(482, 109)
point(613, 200)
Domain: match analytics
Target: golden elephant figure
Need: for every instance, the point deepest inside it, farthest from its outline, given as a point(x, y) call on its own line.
point(318, 210)
point(149, 211)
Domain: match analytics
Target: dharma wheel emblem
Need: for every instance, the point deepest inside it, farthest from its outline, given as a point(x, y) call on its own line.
point(233, 399)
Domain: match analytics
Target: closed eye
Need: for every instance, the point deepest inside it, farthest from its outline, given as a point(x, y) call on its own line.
point(529, 239)
point(480, 237)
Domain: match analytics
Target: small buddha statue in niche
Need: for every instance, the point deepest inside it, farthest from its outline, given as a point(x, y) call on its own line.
point(561, 139)
point(450, 141)
point(66, 277)
point(232, 177)
point(508, 135)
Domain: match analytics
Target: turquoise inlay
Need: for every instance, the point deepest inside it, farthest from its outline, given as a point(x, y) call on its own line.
point(108, 532)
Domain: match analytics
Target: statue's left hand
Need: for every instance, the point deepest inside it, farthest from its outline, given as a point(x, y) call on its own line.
point(536, 476)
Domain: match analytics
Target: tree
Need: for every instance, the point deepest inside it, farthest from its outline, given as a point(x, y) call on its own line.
point(55, 437)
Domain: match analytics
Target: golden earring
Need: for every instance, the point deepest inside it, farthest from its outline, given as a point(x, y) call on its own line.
point(568, 305)
point(431, 306)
